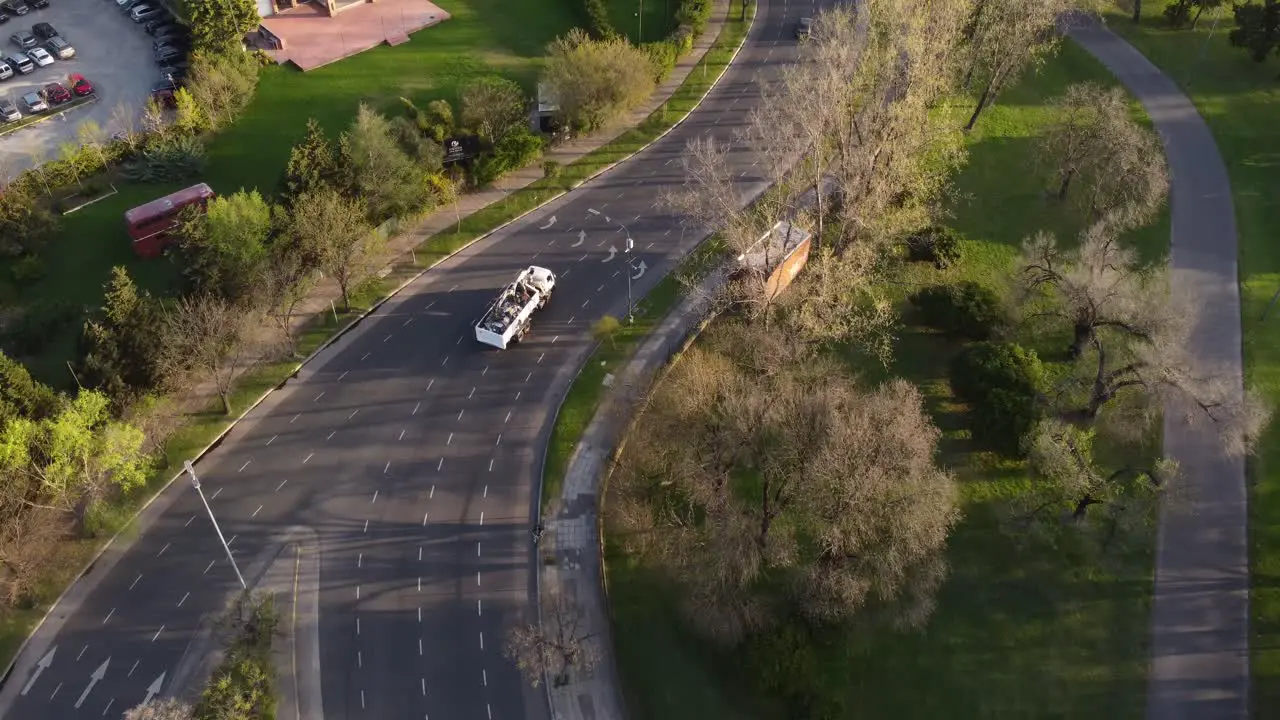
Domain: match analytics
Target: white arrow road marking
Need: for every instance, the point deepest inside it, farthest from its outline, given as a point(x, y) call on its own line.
point(582, 236)
point(154, 688)
point(41, 666)
point(613, 252)
point(96, 677)
point(593, 211)
point(550, 222)
point(640, 271)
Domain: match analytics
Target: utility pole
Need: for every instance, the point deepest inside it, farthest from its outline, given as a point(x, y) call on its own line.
point(195, 483)
point(630, 244)
point(640, 31)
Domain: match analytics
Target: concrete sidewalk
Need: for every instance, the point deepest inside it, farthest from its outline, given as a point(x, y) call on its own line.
point(1200, 610)
point(572, 538)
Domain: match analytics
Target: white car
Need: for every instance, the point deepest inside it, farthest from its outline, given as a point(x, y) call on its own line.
point(40, 57)
point(6, 72)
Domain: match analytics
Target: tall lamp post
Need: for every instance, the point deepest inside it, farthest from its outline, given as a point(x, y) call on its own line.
point(630, 244)
point(640, 30)
point(195, 483)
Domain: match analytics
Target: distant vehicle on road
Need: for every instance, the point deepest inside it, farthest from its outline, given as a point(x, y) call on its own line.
point(9, 111)
point(508, 318)
point(804, 28)
point(150, 224)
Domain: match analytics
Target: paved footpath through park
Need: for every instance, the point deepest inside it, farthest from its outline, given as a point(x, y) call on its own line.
point(1200, 613)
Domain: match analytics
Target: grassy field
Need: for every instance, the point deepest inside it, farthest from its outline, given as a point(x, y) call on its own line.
point(1240, 100)
point(481, 37)
point(1020, 631)
point(650, 20)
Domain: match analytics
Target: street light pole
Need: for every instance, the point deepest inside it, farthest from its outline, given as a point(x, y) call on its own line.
point(640, 31)
point(630, 244)
point(195, 483)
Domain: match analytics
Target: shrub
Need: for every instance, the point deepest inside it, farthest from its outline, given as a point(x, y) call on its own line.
point(938, 244)
point(551, 169)
point(1178, 13)
point(38, 325)
point(695, 14)
point(169, 159)
point(519, 148)
point(598, 19)
point(28, 269)
point(663, 54)
point(1001, 381)
point(965, 309)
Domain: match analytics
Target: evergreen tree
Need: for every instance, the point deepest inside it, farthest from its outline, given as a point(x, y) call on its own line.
point(219, 26)
point(1258, 29)
point(313, 165)
point(122, 346)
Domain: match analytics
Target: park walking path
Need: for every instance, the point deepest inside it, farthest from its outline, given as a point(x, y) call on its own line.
point(1200, 611)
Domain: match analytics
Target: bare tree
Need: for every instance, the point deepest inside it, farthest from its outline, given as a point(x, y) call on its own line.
point(1115, 162)
point(558, 646)
point(1008, 37)
point(152, 119)
point(336, 230)
point(93, 138)
point(287, 280)
point(210, 336)
point(843, 500)
point(123, 123)
point(162, 709)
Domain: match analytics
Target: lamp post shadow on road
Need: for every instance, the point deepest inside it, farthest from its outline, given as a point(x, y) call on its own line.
point(195, 483)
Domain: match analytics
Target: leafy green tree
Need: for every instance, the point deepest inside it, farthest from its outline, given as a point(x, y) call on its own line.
point(222, 85)
point(385, 178)
point(25, 225)
point(427, 153)
point(121, 348)
point(1257, 29)
point(226, 246)
point(23, 396)
point(313, 164)
point(219, 26)
point(492, 106)
point(594, 81)
point(74, 457)
point(334, 228)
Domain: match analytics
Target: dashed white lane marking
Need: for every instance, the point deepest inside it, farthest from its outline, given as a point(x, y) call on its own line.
point(184, 599)
point(135, 581)
point(571, 318)
point(584, 257)
point(273, 439)
point(668, 232)
point(485, 370)
point(477, 548)
point(153, 637)
point(420, 649)
point(518, 392)
point(357, 592)
point(375, 497)
point(446, 359)
point(477, 578)
point(406, 322)
point(499, 440)
point(388, 337)
point(189, 521)
point(419, 614)
point(108, 617)
point(432, 494)
point(344, 374)
point(540, 357)
point(309, 456)
point(646, 247)
point(616, 273)
point(359, 659)
point(455, 287)
point(554, 339)
point(599, 288)
point(55, 691)
point(477, 606)
point(440, 465)
point(331, 434)
point(208, 567)
point(295, 417)
point(357, 626)
point(481, 639)
point(366, 527)
point(255, 512)
point(484, 677)
point(135, 667)
point(107, 709)
point(504, 422)
point(317, 398)
point(216, 493)
point(82, 651)
point(488, 709)
point(637, 217)
point(282, 482)
point(450, 440)
point(459, 340)
point(415, 408)
point(460, 413)
point(430, 382)
point(482, 518)
point(360, 560)
point(166, 547)
point(386, 468)
point(619, 196)
point(353, 413)
point(424, 519)
point(490, 465)
point(362, 700)
point(401, 434)
point(424, 687)
point(233, 539)
point(473, 392)
point(365, 356)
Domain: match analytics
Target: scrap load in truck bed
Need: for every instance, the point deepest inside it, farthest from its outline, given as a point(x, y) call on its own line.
point(507, 319)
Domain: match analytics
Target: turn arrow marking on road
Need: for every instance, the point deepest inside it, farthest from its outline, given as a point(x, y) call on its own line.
point(41, 666)
point(613, 251)
point(97, 676)
point(582, 236)
point(154, 688)
point(550, 222)
point(639, 271)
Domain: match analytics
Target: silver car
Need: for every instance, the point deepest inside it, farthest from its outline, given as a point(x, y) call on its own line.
point(34, 102)
point(60, 48)
point(6, 72)
point(9, 111)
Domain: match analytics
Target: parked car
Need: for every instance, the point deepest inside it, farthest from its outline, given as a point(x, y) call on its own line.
point(79, 85)
point(4, 17)
point(167, 53)
point(24, 39)
point(43, 30)
point(40, 57)
point(60, 48)
point(127, 5)
point(15, 7)
point(6, 72)
point(163, 94)
point(40, 4)
point(177, 39)
point(9, 111)
point(804, 28)
point(34, 103)
point(20, 62)
point(56, 93)
point(141, 13)
point(160, 23)
point(173, 75)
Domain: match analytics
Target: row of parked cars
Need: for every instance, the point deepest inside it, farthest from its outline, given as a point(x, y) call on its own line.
point(37, 47)
point(171, 41)
point(51, 95)
point(17, 8)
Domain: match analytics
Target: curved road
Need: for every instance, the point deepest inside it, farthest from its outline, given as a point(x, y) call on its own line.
point(414, 453)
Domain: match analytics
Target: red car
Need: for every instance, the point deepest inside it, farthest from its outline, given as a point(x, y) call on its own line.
point(79, 85)
point(56, 93)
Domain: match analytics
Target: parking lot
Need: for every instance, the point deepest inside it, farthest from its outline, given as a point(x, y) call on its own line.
point(112, 52)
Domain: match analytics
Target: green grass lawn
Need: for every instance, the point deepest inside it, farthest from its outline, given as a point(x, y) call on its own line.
point(649, 20)
point(481, 37)
point(1020, 631)
point(1240, 100)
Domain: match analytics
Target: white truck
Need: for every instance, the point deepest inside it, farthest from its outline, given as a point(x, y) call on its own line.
point(507, 319)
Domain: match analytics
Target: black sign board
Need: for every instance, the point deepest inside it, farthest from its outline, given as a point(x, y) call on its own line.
point(461, 149)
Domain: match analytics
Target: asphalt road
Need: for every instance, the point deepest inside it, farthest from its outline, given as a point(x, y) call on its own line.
point(414, 452)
